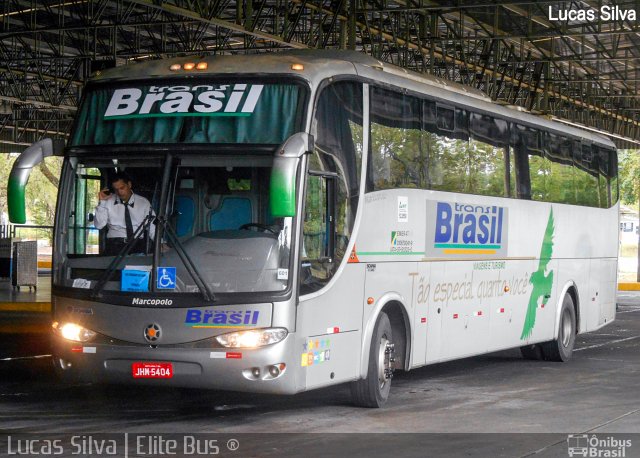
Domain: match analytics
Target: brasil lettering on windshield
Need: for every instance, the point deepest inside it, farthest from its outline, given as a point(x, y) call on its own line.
point(200, 100)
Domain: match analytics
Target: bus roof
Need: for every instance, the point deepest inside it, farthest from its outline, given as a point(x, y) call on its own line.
point(322, 64)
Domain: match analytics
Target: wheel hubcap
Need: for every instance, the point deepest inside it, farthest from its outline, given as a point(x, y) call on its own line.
point(567, 328)
point(386, 360)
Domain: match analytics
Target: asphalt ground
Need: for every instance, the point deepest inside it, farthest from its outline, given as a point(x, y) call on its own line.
point(493, 405)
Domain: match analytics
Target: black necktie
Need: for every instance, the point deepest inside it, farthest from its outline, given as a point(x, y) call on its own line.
point(127, 221)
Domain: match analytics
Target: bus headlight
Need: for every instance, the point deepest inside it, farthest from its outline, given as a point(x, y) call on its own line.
point(253, 338)
point(73, 332)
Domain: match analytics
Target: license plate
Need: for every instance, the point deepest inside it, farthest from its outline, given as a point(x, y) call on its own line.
point(152, 370)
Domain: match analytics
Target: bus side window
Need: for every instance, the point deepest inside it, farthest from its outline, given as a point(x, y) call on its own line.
point(489, 172)
point(521, 142)
point(559, 168)
point(612, 174)
point(398, 153)
point(586, 174)
point(333, 185)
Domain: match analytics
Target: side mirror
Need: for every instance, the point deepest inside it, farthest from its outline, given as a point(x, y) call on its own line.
point(283, 174)
point(21, 171)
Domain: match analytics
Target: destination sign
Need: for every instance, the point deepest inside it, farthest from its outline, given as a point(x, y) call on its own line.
point(200, 100)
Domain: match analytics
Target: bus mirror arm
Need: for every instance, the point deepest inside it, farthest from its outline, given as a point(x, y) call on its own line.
point(20, 172)
point(296, 145)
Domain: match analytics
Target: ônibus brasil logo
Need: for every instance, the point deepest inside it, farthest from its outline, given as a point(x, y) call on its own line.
point(200, 100)
point(457, 228)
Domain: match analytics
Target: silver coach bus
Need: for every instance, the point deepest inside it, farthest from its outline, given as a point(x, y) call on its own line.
point(320, 218)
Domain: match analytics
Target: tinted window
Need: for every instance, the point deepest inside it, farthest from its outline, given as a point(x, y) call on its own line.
point(555, 168)
point(333, 183)
point(586, 175)
point(397, 148)
point(417, 143)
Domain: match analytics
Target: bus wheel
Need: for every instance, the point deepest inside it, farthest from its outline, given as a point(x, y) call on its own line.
point(533, 352)
point(562, 348)
point(373, 391)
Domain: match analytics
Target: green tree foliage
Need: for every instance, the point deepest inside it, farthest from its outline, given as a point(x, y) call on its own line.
point(629, 176)
point(411, 158)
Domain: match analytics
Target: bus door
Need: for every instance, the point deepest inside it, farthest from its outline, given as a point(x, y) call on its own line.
point(83, 236)
point(328, 318)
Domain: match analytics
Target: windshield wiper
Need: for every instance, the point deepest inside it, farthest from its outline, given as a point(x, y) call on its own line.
point(207, 294)
point(124, 251)
point(202, 285)
point(163, 226)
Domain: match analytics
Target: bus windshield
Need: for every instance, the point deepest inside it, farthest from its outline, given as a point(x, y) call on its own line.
point(217, 219)
point(193, 112)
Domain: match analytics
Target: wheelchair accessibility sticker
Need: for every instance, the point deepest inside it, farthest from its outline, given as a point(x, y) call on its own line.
point(166, 278)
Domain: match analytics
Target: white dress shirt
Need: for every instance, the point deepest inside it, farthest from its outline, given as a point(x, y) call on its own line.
point(110, 212)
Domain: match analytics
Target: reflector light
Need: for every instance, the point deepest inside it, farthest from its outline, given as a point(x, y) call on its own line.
point(189, 66)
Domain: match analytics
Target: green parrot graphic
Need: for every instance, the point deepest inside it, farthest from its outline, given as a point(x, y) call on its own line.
point(542, 282)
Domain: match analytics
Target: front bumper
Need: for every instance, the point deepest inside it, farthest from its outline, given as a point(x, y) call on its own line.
point(249, 370)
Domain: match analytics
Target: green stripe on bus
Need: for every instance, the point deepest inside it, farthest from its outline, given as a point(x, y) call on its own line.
point(173, 115)
point(469, 247)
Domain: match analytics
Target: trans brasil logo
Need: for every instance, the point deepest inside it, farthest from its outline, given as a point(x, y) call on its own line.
point(197, 318)
point(200, 100)
point(456, 228)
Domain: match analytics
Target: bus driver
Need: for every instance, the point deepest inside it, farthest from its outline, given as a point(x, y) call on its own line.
point(122, 212)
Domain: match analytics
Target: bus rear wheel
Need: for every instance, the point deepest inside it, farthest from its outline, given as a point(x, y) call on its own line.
point(561, 349)
point(373, 391)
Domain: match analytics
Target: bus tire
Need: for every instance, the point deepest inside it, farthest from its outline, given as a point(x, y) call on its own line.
point(532, 352)
point(562, 348)
point(373, 391)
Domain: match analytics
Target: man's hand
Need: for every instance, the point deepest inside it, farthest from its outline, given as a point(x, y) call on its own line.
point(104, 194)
